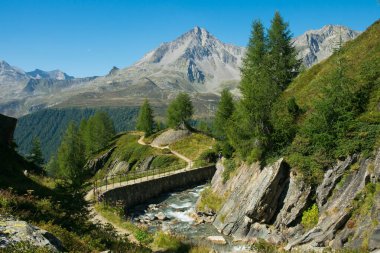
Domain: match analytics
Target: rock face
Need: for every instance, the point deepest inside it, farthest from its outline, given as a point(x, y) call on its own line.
point(259, 196)
point(13, 231)
point(268, 203)
point(7, 128)
point(316, 45)
point(97, 163)
point(170, 136)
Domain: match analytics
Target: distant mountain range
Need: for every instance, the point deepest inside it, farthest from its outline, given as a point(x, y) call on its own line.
point(196, 62)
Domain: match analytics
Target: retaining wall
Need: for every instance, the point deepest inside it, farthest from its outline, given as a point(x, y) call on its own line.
point(138, 193)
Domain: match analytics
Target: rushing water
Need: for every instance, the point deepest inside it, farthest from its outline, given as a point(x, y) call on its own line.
point(180, 218)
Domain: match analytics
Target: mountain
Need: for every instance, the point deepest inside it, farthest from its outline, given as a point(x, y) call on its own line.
point(196, 62)
point(54, 74)
point(316, 45)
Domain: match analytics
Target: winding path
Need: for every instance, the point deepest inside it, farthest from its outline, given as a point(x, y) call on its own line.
point(97, 217)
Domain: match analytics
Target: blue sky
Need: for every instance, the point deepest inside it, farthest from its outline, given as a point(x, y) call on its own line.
point(88, 37)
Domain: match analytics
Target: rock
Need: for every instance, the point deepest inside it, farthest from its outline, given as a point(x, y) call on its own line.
point(170, 136)
point(118, 167)
point(374, 240)
point(330, 179)
point(7, 128)
point(97, 163)
point(217, 239)
point(13, 231)
point(294, 202)
point(145, 164)
point(256, 196)
point(161, 216)
point(336, 212)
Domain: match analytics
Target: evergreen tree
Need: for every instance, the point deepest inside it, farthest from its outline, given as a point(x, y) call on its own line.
point(145, 121)
point(52, 167)
point(180, 111)
point(96, 132)
point(250, 127)
point(71, 156)
point(282, 61)
point(35, 155)
point(223, 114)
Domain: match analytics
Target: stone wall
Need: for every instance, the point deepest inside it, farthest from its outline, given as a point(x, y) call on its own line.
point(141, 192)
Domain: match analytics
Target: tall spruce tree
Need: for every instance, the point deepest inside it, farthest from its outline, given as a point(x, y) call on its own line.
point(71, 156)
point(96, 132)
point(282, 61)
point(249, 130)
point(35, 155)
point(145, 120)
point(223, 114)
point(180, 111)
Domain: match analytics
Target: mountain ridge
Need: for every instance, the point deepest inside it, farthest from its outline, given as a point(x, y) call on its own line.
point(195, 62)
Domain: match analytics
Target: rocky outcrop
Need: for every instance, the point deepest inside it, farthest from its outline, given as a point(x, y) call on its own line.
point(269, 202)
point(97, 163)
point(14, 231)
point(258, 196)
point(331, 178)
point(170, 136)
point(7, 128)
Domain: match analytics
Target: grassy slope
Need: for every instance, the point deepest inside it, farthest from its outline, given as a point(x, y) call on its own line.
point(193, 145)
point(128, 150)
point(365, 50)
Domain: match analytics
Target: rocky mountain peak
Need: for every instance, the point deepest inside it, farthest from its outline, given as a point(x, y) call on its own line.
point(54, 74)
point(316, 45)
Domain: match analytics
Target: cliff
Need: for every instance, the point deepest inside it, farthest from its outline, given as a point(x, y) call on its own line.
point(269, 203)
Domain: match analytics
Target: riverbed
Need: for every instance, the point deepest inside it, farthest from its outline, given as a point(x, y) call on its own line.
point(177, 215)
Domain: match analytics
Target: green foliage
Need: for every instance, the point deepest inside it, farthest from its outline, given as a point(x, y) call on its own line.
point(71, 157)
point(25, 247)
point(96, 132)
point(282, 61)
point(145, 121)
point(269, 66)
point(210, 201)
point(310, 217)
point(35, 154)
point(49, 125)
point(263, 246)
point(180, 111)
point(208, 157)
point(166, 242)
point(229, 167)
point(223, 114)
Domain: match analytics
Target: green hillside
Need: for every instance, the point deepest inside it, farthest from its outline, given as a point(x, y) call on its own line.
point(337, 108)
point(50, 124)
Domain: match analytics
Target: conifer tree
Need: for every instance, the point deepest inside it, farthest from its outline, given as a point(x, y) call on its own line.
point(223, 114)
point(180, 110)
point(145, 121)
point(35, 155)
point(71, 156)
point(282, 61)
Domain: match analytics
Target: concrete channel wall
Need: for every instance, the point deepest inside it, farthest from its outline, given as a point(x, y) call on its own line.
point(141, 192)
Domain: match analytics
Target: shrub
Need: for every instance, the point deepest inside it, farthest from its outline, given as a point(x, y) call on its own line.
point(166, 242)
point(210, 200)
point(229, 167)
point(310, 217)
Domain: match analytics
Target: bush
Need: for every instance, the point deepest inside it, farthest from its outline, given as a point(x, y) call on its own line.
point(166, 242)
point(210, 201)
point(229, 167)
point(310, 217)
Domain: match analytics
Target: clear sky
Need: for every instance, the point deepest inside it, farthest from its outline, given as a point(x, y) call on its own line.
point(88, 37)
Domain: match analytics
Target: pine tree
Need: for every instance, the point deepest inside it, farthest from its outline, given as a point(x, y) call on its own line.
point(249, 129)
point(282, 60)
point(145, 121)
point(180, 111)
point(71, 156)
point(96, 132)
point(223, 114)
point(35, 155)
